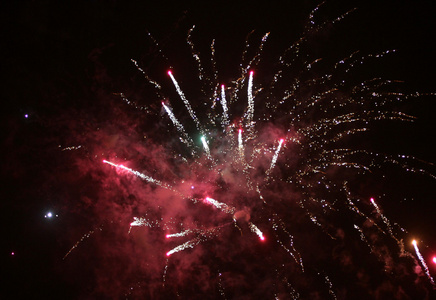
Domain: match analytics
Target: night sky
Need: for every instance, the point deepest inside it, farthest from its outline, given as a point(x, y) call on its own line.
point(64, 64)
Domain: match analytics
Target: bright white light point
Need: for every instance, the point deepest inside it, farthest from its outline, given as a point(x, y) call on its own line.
point(26, 116)
point(434, 259)
point(167, 236)
point(170, 73)
point(414, 242)
point(168, 254)
point(192, 187)
point(48, 215)
point(12, 253)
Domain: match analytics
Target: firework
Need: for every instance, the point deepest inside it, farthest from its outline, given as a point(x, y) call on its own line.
point(268, 163)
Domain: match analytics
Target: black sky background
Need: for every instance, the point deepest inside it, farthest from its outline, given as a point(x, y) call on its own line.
point(51, 51)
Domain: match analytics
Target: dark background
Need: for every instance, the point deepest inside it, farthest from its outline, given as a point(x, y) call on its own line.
point(50, 57)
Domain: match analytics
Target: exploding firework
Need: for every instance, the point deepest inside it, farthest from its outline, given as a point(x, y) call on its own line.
point(248, 192)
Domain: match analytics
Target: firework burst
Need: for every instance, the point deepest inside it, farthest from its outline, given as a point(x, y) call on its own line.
point(249, 193)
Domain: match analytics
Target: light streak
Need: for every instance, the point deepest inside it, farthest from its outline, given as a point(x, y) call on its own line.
point(225, 121)
point(179, 234)
point(186, 139)
point(240, 144)
point(70, 148)
point(83, 238)
point(421, 259)
point(185, 101)
point(274, 159)
point(186, 245)
point(257, 231)
point(250, 108)
point(138, 174)
point(222, 206)
point(206, 147)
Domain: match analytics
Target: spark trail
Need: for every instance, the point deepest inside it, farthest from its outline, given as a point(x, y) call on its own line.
point(276, 155)
point(138, 174)
point(250, 109)
point(185, 138)
point(240, 144)
point(206, 147)
point(225, 121)
point(421, 259)
point(185, 101)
